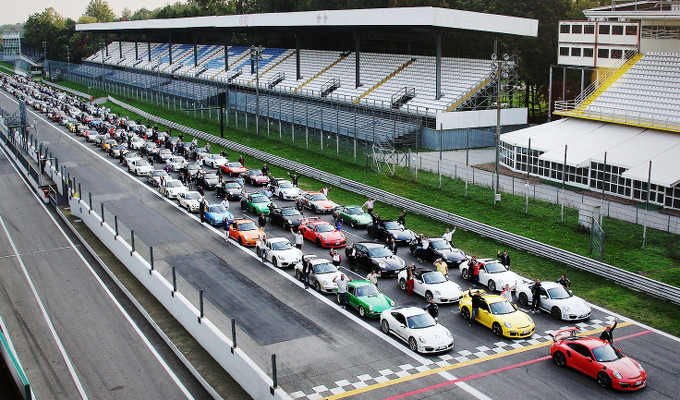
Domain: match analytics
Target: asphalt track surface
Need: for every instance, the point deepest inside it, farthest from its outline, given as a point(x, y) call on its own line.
point(329, 352)
point(103, 348)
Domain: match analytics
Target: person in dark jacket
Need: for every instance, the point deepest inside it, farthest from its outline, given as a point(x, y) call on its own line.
point(477, 302)
point(536, 296)
point(433, 309)
point(262, 221)
point(564, 281)
point(608, 333)
point(402, 219)
point(504, 258)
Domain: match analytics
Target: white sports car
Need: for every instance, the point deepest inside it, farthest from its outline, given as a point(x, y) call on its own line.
point(190, 200)
point(492, 274)
point(176, 163)
point(416, 327)
point(557, 300)
point(432, 285)
point(214, 160)
point(140, 167)
point(279, 251)
point(322, 274)
point(172, 188)
point(286, 190)
point(137, 143)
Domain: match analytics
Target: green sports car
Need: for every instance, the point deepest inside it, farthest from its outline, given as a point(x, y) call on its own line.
point(354, 215)
point(365, 297)
point(256, 203)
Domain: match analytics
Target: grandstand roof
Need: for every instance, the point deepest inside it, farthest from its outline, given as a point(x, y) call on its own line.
point(654, 9)
point(626, 146)
point(411, 18)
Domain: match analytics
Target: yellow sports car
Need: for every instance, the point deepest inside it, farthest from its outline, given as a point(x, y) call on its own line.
point(497, 314)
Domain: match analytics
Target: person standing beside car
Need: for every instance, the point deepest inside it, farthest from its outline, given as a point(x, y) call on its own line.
point(336, 258)
point(477, 302)
point(564, 281)
point(504, 258)
point(352, 257)
point(262, 221)
point(608, 333)
point(373, 276)
point(369, 205)
point(433, 309)
point(536, 296)
point(342, 282)
point(299, 239)
point(402, 219)
point(507, 292)
point(442, 267)
point(410, 278)
point(306, 271)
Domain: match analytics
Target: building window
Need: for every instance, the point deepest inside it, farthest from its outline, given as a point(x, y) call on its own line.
point(631, 30)
point(564, 51)
point(589, 29)
point(588, 53)
point(576, 28)
point(565, 28)
point(576, 52)
point(617, 30)
point(602, 53)
point(617, 53)
point(604, 29)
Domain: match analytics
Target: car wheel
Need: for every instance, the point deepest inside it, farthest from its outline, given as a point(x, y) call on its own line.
point(317, 286)
point(385, 326)
point(240, 241)
point(523, 299)
point(274, 262)
point(556, 313)
point(298, 275)
point(604, 380)
point(402, 284)
point(362, 311)
point(428, 296)
point(318, 242)
point(286, 226)
point(412, 344)
point(492, 286)
point(497, 330)
point(465, 274)
point(353, 224)
point(258, 251)
point(465, 313)
point(560, 359)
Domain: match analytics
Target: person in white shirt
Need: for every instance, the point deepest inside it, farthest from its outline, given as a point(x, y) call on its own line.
point(507, 292)
point(342, 289)
point(448, 235)
point(225, 203)
point(299, 239)
point(373, 277)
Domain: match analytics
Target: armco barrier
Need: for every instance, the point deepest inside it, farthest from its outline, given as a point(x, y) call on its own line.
point(625, 278)
point(244, 371)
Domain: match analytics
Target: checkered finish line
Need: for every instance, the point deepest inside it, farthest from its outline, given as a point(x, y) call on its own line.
point(444, 360)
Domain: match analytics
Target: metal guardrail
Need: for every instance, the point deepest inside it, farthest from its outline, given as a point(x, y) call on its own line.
point(625, 278)
point(65, 89)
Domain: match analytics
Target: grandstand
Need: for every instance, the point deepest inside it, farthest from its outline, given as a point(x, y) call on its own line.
point(621, 135)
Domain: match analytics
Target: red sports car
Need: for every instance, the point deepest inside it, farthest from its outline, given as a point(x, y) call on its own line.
point(322, 233)
point(233, 168)
point(598, 359)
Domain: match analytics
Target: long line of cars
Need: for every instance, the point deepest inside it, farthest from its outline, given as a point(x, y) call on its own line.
point(413, 325)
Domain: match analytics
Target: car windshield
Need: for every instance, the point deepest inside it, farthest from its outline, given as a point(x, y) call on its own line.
point(282, 245)
point(290, 211)
point(420, 321)
point(323, 228)
point(235, 164)
point(433, 278)
point(177, 159)
point(606, 353)
point(260, 199)
point(255, 172)
point(192, 196)
point(160, 172)
point(379, 252)
point(210, 176)
point(286, 185)
point(325, 268)
point(501, 307)
point(232, 185)
point(193, 167)
point(439, 244)
point(142, 162)
point(218, 209)
point(319, 197)
point(368, 290)
point(173, 184)
point(559, 292)
point(392, 225)
point(354, 211)
point(247, 226)
point(494, 267)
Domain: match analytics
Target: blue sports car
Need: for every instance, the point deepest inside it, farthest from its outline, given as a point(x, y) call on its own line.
point(217, 215)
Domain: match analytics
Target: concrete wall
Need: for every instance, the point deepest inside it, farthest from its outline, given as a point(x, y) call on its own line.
point(481, 118)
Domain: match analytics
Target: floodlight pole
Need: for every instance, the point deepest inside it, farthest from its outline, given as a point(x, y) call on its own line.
point(255, 52)
point(498, 126)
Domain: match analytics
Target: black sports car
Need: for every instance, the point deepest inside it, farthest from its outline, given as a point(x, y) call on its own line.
point(231, 190)
point(388, 228)
point(286, 217)
point(438, 248)
point(371, 255)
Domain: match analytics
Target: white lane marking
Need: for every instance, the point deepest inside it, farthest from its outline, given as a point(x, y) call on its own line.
point(463, 385)
point(136, 328)
point(397, 345)
point(48, 320)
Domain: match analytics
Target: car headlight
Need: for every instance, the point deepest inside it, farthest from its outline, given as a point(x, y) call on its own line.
point(437, 292)
point(370, 308)
point(449, 334)
point(382, 264)
point(421, 339)
point(507, 324)
point(617, 374)
point(323, 238)
point(639, 366)
point(531, 321)
point(392, 304)
point(566, 308)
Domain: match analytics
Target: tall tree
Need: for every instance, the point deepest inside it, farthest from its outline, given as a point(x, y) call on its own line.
point(100, 11)
point(44, 27)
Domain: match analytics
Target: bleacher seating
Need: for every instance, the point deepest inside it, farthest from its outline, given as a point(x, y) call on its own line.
point(383, 76)
point(648, 90)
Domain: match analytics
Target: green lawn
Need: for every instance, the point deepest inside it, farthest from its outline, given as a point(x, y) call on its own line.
point(7, 68)
point(622, 247)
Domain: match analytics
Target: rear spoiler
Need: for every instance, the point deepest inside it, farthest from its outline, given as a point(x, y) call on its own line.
point(308, 219)
point(563, 333)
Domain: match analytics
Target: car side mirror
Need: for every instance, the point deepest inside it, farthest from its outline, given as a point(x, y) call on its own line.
point(514, 305)
point(618, 349)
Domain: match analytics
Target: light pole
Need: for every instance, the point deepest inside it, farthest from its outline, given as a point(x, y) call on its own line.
point(255, 54)
point(68, 59)
point(499, 73)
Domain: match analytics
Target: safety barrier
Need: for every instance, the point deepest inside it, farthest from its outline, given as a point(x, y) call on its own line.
point(618, 275)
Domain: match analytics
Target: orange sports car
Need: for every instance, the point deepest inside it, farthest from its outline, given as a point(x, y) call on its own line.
point(245, 232)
